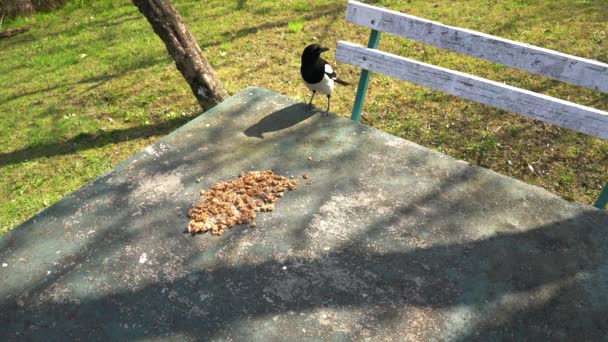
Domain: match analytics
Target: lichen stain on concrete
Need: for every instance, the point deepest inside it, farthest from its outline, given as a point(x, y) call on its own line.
point(398, 143)
point(157, 188)
point(340, 219)
point(459, 320)
point(156, 150)
point(59, 293)
point(417, 324)
point(462, 320)
point(289, 282)
point(186, 301)
point(239, 249)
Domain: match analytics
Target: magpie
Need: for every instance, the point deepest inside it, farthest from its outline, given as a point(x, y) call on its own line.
point(317, 74)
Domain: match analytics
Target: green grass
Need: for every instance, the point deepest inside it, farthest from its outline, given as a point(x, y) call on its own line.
point(295, 26)
point(91, 84)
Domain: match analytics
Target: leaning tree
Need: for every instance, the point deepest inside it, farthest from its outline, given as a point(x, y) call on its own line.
point(182, 46)
point(12, 8)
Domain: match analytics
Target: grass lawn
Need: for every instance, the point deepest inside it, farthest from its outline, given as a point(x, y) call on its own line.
point(91, 84)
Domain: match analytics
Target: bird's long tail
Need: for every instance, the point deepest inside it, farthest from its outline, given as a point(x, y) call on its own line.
point(339, 81)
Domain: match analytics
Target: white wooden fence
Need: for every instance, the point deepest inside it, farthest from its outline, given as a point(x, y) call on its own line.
point(553, 64)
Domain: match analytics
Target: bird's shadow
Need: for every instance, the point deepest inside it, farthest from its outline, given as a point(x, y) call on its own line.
point(280, 120)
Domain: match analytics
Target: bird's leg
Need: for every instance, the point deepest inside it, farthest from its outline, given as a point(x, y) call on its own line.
point(328, 103)
point(312, 97)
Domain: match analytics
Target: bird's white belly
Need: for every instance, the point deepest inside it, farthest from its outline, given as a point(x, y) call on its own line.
point(325, 87)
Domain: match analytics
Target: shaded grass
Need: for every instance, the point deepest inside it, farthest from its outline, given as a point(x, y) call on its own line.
point(91, 84)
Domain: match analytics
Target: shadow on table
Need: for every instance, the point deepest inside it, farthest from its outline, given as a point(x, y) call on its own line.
point(280, 120)
point(487, 275)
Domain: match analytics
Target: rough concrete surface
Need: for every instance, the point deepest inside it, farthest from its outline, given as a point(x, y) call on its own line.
point(391, 241)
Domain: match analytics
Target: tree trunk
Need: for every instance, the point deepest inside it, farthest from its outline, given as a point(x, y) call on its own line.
point(182, 46)
point(47, 5)
point(13, 8)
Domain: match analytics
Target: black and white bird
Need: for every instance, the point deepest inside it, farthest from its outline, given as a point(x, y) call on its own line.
point(317, 74)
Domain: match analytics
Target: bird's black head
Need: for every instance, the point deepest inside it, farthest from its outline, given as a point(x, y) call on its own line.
point(313, 51)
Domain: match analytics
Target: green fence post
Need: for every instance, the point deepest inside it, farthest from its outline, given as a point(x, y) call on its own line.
point(602, 200)
point(374, 39)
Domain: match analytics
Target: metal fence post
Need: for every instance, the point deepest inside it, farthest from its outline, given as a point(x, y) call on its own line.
point(602, 200)
point(374, 39)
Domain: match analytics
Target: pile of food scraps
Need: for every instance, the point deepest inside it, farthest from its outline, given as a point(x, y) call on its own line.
point(236, 202)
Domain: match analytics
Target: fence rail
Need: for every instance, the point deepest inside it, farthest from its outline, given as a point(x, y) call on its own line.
point(537, 106)
point(556, 65)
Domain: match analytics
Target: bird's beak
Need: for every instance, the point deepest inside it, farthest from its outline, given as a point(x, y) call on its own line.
point(323, 49)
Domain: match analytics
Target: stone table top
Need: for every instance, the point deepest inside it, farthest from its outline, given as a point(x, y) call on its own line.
point(389, 241)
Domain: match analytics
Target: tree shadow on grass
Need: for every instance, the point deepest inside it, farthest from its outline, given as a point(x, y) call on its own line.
point(96, 81)
point(85, 141)
point(333, 9)
point(240, 4)
point(38, 33)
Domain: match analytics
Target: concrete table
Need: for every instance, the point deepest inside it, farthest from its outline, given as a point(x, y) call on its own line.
point(390, 241)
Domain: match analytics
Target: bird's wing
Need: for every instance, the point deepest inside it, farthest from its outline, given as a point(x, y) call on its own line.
point(329, 71)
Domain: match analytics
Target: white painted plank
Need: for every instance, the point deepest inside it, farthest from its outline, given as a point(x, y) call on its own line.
point(537, 106)
point(571, 69)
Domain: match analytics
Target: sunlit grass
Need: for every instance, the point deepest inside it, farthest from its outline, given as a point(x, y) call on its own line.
point(296, 26)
